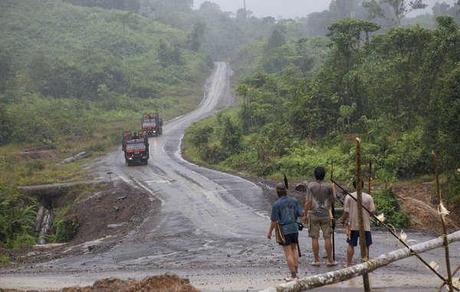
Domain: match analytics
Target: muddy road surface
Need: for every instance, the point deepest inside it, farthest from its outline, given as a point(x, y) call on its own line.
point(210, 228)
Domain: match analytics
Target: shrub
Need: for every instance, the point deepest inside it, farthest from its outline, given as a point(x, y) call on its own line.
point(212, 153)
point(66, 229)
point(4, 259)
point(17, 217)
point(386, 203)
point(21, 241)
point(199, 135)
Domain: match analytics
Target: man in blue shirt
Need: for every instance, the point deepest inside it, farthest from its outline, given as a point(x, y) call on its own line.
point(285, 212)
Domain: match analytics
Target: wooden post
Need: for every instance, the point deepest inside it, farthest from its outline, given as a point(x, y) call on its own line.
point(369, 186)
point(444, 228)
point(332, 213)
point(362, 236)
point(435, 197)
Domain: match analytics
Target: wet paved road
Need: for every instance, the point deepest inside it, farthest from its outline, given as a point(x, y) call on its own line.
point(210, 228)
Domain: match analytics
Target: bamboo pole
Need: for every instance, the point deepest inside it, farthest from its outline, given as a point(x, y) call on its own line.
point(444, 228)
point(369, 183)
point(362, 236)
point(332, 215)
point(366, 267)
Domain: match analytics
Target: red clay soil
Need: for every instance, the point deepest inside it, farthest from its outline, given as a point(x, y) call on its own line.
point(415, 199)
point(163, 283)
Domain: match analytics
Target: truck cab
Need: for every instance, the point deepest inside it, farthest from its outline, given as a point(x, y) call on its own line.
point(136, 150)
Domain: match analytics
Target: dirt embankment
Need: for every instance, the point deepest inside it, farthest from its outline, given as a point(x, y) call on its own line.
point(415, 198)
point(110, 212)
point(104, 217)
point(164, 283)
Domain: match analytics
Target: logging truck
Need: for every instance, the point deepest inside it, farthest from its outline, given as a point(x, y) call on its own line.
point(136, 148)
point(152, 125)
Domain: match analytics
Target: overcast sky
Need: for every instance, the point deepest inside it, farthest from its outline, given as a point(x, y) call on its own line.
point(276, 8)
point(280, 8)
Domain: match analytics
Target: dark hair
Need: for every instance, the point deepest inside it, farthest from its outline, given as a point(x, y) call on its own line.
point(281, 189)
point(355, 184)
point(320, 173)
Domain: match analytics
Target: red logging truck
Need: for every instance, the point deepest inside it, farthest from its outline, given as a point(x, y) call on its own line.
point(152, 125)
point(136, 148)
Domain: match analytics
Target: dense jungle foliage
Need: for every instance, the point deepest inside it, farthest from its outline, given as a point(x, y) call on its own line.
point(397, 90)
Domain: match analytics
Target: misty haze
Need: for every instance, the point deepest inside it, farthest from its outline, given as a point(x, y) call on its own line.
point(288, 8)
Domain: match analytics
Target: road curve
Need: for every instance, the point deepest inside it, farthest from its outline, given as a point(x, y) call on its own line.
point(210, 227)
point(199, 206)
point(205, 215)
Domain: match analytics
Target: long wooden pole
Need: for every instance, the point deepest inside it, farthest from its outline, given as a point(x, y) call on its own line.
point(444, 228)
point(333, 213)
point(369, 183)
point(362, 236)
point(367, 267)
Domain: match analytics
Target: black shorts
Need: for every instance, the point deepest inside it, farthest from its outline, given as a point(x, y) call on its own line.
point(289, 239)
point(353, 240)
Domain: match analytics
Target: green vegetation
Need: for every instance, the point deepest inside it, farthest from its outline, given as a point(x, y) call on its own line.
point(92, 68)
point(386, 203)
point(65, 229)
point(17, 217)
point(4, 259)
point(72, 78)
point(74, 74)
point(397, 90)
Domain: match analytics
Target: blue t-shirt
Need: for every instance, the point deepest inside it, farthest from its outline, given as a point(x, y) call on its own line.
point(285, 211)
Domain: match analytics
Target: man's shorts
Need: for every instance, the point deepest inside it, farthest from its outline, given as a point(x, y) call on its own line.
point(354, 235)
point(315, 225)
point(289, 239)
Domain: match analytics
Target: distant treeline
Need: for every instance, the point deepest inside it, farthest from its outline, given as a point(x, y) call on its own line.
point(132, 5)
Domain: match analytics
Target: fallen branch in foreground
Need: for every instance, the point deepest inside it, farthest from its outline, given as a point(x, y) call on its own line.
point(366, 267)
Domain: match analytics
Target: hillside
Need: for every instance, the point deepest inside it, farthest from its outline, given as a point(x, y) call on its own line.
point(109, 60)
point(73, 78)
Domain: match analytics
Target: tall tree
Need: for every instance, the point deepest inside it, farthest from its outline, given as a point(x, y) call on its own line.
point(399, 8)
point(196, 37)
